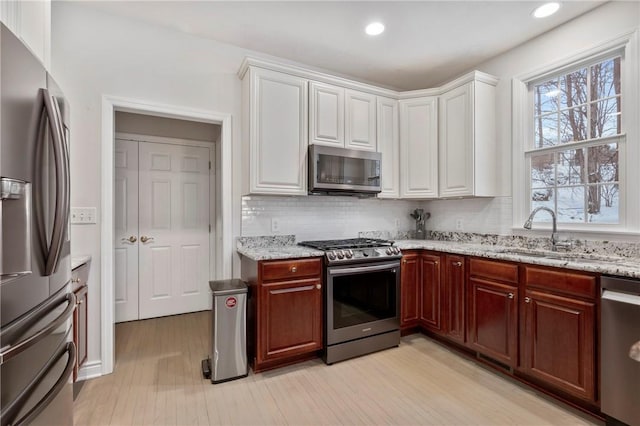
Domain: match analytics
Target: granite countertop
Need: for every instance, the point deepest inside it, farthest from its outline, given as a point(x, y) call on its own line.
point(285, 248)
point(78, 261)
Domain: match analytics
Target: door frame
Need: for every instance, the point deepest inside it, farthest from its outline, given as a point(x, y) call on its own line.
point(224, 243)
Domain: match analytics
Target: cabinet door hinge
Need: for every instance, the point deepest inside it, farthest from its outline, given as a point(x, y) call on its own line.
point(209, 228)
point(209, 165)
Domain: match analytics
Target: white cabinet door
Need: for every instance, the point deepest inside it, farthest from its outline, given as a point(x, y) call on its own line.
point(30, 20)
point(419, 148)
point(326, 114)
point(456, 147)
point(467, 141)
point(360, 120)
point(278, 129)
point(389, 146)
point(125, 188)
point(174, 229)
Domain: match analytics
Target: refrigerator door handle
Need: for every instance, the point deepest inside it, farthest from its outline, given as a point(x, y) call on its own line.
point(11, 410)
point(61, 206)
point(13, 350)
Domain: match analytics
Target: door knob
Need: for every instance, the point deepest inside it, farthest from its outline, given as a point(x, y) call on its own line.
point(145, 239)
point(131, 239)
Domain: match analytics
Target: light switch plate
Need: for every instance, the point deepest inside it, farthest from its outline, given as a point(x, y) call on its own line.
point(83, 215)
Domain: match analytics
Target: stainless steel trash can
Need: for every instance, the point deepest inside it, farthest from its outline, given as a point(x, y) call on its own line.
point(228, 357)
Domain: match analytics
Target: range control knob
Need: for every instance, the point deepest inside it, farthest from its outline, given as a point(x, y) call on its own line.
point(396, 250)
point(388, 251)
point(348, 254)
point(341, 254)
point(331, 255)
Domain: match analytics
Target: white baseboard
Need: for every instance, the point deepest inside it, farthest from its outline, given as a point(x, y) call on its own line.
point(90, 370)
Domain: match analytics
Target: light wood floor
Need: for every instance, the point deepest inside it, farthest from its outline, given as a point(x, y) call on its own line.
point(157, 381)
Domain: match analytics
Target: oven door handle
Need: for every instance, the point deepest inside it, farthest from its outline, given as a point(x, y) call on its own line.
point(360, 269)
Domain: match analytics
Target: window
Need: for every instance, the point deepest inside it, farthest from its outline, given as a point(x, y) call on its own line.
point(575, 136)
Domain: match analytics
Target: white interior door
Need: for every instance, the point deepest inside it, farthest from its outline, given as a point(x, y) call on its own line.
point(126, 229)
point(174, 229)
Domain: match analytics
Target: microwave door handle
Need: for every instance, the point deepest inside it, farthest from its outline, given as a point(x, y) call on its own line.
point(60, 213)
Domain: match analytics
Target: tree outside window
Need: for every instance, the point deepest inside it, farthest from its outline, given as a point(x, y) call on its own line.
point(574, 155)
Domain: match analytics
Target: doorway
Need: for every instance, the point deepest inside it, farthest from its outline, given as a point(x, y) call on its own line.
point(223, 247)
point(164, 207)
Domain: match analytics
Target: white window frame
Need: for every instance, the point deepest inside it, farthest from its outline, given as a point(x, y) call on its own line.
point(626, 46)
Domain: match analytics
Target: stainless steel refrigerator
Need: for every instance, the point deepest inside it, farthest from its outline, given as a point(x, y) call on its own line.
point(37, 354)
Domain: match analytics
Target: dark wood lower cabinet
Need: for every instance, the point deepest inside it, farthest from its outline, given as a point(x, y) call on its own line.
point(453, 308)
point(409, 290)
point(292, 324)
point(285, 313)
point(431, 291)
point(492, 327)
point(558, 342)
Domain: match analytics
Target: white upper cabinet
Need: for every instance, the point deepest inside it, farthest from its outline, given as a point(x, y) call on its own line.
point(419, 148)
point(467, 143)
point(389, 146)
point(326, 114)
point(360, 120)
point(276, 127)
point(30, 21)
point(341, 117)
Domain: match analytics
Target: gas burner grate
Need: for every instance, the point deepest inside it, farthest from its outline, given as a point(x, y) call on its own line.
point(349, 243)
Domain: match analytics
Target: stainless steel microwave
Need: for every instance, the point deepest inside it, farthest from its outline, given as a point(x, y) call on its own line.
point(343, 171)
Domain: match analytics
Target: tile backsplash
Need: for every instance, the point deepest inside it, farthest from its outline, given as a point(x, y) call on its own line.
point(479, 215)
point(324, 217)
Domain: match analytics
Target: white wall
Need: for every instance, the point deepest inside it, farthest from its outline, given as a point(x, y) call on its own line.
point(95, 54)
point(601, 24)
point(325, 217)
point(150, 125)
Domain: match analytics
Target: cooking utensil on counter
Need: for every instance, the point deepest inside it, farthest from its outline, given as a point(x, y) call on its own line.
point(420, 216)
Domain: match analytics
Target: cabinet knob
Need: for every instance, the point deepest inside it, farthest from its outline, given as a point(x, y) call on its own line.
point(436, 262)
point(294, 269)
point(404, 260)
point(510, 295)
point(75, 280)
point(318, 286)
point(457, 263)
point(527, 300)
point(81, 301)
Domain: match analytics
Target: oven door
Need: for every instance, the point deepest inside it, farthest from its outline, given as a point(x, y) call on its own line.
point(362, 300)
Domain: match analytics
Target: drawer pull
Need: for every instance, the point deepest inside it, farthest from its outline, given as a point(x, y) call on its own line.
point(75, 280)
point(510, 295)
point(457, 263)
point(527, 300)
point(318, 286)
point(294, 269)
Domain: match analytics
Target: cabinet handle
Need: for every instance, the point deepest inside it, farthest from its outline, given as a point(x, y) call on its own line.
point(294, 269)
point(527, 300)
point(510, 295)
point(80, 302)
point(75, 280)
point(457, 263)
point(291, 290)
point(404, 260)
point(318, 286)
point(436, 263)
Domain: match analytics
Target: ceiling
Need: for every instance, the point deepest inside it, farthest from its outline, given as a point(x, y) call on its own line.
point(425, 42)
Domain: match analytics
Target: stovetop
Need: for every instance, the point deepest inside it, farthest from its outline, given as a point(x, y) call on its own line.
point(348, 243)
point(355, 250)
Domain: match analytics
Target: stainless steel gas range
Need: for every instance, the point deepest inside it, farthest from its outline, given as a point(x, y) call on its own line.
point(362, 296)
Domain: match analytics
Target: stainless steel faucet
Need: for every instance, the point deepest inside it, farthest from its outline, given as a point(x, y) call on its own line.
point(555, 243)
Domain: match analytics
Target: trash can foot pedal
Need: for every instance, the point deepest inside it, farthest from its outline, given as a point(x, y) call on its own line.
point(206, 368)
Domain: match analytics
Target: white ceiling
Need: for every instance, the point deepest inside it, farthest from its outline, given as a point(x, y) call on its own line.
point(425, 42)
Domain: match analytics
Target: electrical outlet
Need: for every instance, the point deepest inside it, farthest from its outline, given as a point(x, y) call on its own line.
point(83, 215)
point(275, 226)
point(459, 225)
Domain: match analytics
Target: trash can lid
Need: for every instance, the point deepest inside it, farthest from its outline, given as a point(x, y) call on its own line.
point(232, 286)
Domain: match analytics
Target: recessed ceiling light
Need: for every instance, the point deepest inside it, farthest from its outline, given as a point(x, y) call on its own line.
point(546, 9)
point(374, 28)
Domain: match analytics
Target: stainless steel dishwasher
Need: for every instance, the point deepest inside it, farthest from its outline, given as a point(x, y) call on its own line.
point(620, 329)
